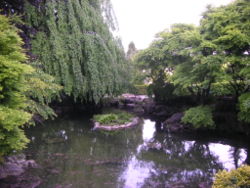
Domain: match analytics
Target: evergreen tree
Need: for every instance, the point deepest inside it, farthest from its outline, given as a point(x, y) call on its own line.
point(12, 89)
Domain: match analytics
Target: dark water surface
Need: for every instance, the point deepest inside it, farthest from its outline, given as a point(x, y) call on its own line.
point(72, 155)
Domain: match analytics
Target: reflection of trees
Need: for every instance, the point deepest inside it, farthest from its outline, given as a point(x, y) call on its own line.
point(179, 161)
point(80, 155)
point(235, 154)
point(247, 161)
point(73, 154)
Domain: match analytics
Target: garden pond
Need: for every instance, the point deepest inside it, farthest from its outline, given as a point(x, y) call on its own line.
point(71, 154)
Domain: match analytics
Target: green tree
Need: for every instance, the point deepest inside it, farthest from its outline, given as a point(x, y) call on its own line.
point(41, 91)
point(74, 43)
point(244, 107)
point(228, 28)
point(131, 51)
point(12, 89)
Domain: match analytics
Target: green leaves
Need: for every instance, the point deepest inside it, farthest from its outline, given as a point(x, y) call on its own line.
point(12, 88)
point(204, 61)
point(199, 117)
point(244, 106)
point(41, 90)
point(74, 44)
point(115, 118)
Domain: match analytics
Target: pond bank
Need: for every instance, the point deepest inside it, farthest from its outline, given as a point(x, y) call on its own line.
point(14, 172)
point(137, 157)
point(224, 116)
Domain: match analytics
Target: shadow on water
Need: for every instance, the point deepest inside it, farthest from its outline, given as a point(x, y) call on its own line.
point(72, 155)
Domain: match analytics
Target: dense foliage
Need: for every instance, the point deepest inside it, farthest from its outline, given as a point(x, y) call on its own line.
point(115, 118)
point(41, 91)
point(244, 106)
point(238, 178)
point(74, 44)
point(24, 89)
point(12, 88)
point(199, 117)
point(204, 62)
point(69, 43)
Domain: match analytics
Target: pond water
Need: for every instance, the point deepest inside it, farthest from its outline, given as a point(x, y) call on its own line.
point(72, 155)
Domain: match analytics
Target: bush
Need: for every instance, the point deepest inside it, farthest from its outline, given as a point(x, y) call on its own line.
point(106, 118)
point(239, 178)
point(117, 117)
point(244, 105)
point(200, 116)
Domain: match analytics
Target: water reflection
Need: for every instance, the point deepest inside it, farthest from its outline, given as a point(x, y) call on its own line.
point(71, 154)
point(148, 130)
point(182, 162)
point(231, 157)
point(137, 171)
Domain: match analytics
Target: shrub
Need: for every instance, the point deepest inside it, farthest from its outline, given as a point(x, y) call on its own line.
point(238, 178)
point(106, 118)
point(200, 116)
point(117, 117)
point(244, 105)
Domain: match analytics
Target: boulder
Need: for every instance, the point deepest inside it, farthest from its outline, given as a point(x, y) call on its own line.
point(15, 166)
point(131, 98)
point(173, 124)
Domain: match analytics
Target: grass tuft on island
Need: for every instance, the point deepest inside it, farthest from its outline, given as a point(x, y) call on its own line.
point(116, 117)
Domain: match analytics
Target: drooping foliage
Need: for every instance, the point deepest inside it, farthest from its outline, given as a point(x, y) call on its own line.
point(41, 91)
point(12, 88)
point(73, 43)
point(25, 90)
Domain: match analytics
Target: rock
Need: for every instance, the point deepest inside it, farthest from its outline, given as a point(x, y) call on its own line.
point(10, 169)
point(114, 102)
point(148, 106)
point(138, 110)
point(134, 122)
point(23, 181)
point(131, 98)
point(15, 166)
point(131, 106)
point(173, 124)
point(14, 173)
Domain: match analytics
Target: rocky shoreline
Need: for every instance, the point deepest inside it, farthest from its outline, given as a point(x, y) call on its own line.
point(15, 172)
point(170, 115)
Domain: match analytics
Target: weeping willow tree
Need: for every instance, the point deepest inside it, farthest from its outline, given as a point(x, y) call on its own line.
point(74, 43)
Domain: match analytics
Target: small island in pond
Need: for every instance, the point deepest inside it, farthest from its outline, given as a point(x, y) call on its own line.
point(117, 120)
